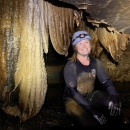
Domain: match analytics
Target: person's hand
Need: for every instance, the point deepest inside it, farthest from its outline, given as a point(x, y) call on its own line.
point(114, 105)
point(99, 116)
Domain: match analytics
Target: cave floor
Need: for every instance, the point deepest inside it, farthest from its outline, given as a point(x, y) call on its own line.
point(52, 115)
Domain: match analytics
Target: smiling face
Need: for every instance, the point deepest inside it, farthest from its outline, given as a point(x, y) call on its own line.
point(83, 47)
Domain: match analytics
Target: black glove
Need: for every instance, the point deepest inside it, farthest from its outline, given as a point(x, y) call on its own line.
point(98, 116)
point(114, 105)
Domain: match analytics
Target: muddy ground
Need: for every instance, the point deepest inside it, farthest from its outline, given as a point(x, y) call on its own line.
point(52, 115)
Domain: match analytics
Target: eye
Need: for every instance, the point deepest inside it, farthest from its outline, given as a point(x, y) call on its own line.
point(80, 43)
point(87, 41)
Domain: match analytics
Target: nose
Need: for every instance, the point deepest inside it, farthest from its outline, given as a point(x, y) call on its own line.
point(84, 44)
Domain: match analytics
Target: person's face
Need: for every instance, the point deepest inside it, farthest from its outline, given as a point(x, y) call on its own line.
point(83, 47)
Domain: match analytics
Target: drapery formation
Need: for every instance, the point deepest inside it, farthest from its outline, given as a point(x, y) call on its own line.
point(23, 83)
point(26, 29)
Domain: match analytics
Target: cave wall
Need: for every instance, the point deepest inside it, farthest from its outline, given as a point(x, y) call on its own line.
point(118, 72)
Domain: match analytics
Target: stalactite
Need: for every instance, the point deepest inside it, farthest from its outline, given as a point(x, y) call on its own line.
point(61, 27)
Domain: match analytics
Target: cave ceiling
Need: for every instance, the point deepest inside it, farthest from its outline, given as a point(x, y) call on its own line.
point(113, 12)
